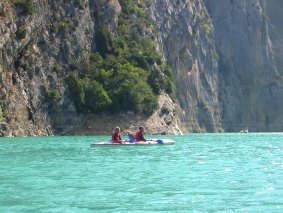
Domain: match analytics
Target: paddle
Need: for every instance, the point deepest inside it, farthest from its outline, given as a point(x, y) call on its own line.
point(159, 141)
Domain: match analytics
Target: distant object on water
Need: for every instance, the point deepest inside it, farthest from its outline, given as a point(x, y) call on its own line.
point(244, 130)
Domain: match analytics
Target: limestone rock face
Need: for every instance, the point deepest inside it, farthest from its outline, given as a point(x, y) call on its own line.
point(186, 38)
point(275, 25)
point(250, 89)
point(224, 68)
point(109, 12)
point(35, 52)
point(226, 58)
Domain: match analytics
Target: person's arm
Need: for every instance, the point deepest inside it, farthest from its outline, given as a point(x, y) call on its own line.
point(119, 138)
point(141, 137)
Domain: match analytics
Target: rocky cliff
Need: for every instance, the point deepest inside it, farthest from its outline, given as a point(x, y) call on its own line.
point(221, 54)
point(274, 14)
point(187, 40)
point(223, 62)
point(250, 88)
point(38, 44)
point(41, 43)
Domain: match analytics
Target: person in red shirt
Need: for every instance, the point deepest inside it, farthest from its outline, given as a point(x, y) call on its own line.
point(139, 134)
point(116, 136)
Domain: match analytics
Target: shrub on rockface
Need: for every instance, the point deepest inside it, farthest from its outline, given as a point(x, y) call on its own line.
point(126, 69)
point(21, 33)
point(76, 92)
point(96, 98)
point(79, 4)
point(129, 90)
point(103, 40)
point(26, 6)
point(88, 95)
point(1, 114)
point(52, 98)
point(53, 95)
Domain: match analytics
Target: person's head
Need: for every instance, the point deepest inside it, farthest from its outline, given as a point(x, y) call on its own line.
point(141, 129)
point(117, 129)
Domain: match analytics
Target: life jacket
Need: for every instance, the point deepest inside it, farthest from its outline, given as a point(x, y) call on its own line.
point(139, 136)
point(116, 136)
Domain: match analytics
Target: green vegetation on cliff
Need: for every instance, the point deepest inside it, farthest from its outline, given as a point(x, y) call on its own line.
point(126, 72)
point(1, 114)
point(26, 6)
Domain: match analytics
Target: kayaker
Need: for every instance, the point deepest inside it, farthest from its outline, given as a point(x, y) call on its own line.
point(116, 136)
point(139, 134)
point(131, 138)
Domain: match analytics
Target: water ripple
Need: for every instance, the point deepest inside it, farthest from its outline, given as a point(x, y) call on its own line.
point(200, 173)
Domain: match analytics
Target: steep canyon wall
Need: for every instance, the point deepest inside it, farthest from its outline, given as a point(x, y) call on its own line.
point(225, 57)
point(250, 88)
point(224, 64)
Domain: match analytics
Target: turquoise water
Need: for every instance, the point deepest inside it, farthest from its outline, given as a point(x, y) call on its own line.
point(200, 173)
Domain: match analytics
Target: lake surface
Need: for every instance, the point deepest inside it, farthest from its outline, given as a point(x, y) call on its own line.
point(200, 173)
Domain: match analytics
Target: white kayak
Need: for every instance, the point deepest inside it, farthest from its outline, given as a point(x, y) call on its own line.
point(148, 142)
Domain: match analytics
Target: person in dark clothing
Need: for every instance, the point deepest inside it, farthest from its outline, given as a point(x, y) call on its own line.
point(139, 135)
